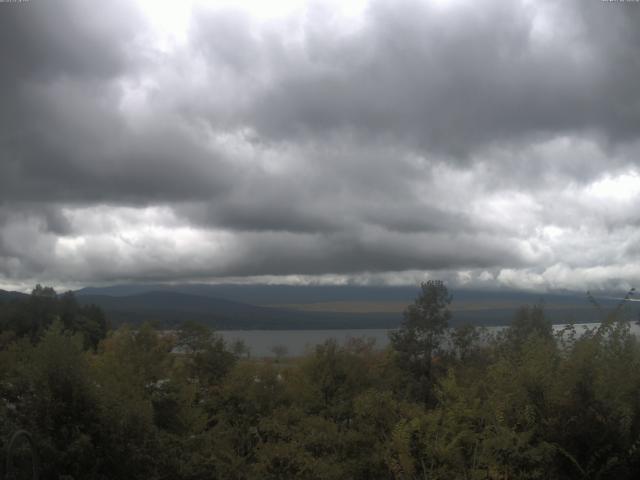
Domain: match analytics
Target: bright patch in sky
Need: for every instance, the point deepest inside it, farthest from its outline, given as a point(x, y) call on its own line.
point(170, 18)
point(621, 187)
point(443, 3)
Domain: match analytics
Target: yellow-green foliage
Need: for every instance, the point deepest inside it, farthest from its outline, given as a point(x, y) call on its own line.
point(149, 405)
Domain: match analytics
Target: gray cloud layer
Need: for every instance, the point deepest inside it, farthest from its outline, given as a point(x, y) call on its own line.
point(490, 144)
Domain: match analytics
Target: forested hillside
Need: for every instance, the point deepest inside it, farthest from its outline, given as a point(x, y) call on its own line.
point(144, 404)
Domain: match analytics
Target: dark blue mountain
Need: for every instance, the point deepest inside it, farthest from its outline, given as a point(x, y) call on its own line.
point(258, 294)
point(268, 306)
point(6, 295)
point(169, 308)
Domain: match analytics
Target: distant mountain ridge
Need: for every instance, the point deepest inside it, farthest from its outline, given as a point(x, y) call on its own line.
point(262, 294)
point(9, 295)
point(170, 308)
point(286, 307)
point(231, 306)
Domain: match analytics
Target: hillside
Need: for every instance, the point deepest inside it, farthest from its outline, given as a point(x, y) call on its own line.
point(319, 307)
point(7, 295)
point(170, 308)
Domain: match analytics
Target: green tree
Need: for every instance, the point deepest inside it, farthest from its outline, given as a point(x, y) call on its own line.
point(60, 404)
point(464, 339)
point(528, 322)
point(31, 317)
point(335, 375)
point(421, 333)
point(280, 351)
point(207, 358)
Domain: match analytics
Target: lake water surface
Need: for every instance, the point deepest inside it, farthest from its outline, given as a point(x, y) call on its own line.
point(299, 342)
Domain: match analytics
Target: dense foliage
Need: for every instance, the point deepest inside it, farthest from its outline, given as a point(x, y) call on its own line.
point(144, 404)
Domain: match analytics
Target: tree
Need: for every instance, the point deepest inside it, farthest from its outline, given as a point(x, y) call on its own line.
point(421, 332)
point(31, 317)
point(464, 340)
point(89, 320)
point(529, 321)
point(240, 349)
point(280, 351)
point(208, 358)
point(61, 404)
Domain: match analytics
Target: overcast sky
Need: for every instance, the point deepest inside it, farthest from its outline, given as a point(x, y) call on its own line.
point(492, 144)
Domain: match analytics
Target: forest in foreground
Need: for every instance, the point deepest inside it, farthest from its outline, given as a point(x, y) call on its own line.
point(438, 403)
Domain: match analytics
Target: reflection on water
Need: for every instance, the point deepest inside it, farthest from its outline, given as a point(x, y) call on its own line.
point(297, 342)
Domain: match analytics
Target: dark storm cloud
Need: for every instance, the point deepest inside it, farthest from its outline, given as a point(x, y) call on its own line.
point(64, 67)
point(48, 39)
point(422, 136)
point(369, 250)
point(447, 82)
point(249, 215)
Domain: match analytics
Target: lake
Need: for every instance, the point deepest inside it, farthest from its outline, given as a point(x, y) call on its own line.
point(299, 342)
